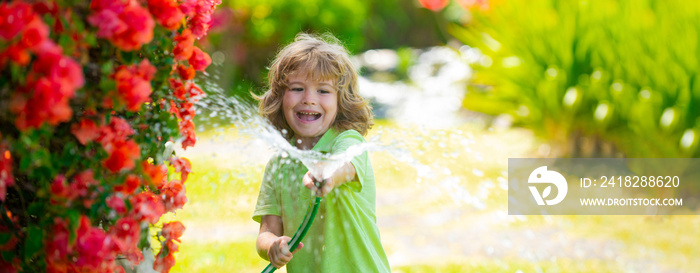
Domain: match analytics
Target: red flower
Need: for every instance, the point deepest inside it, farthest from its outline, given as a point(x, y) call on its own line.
point(14, 17)
point(85, 131)
point(174, 110)
point(199, 59)
point(134, 256)
point(146, 206)
point(117, 130)
point(139, 28)
point(131, 183)
point(187, 130)
point(167, 13)
point(57, 246)
point(34, 33)
point(133, 84)
point(47, 104)
point(188, 92)
point(184, 45)
point(116, 203)
point(173, 230)
point(156, 174)
point(54, 78)
point(183, 166)
point(126, 234)
point(174, 196)
point(6, 178)
point(17, 54)
point(434, 5)
point(60, 69)
point(60, 190)
point(185, 72)
point(164, 263)
point(122, 155)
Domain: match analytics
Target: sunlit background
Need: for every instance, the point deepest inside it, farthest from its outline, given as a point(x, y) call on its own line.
point(464, 85)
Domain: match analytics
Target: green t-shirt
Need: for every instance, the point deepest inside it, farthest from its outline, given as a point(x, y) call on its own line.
point(344, 236)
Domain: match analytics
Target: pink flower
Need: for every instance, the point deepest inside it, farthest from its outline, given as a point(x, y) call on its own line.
point(92, 246)
point(125, 23)
point(434, 5)
point(116, 203)
point(199, 59)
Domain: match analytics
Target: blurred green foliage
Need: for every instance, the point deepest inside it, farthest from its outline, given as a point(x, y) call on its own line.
point(248, 33)
point(620, 73)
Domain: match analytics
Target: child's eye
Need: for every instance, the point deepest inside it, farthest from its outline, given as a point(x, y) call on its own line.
point(323, 91)
point(297, 89)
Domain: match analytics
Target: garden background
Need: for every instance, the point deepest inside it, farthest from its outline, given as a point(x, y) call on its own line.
point(464, 84)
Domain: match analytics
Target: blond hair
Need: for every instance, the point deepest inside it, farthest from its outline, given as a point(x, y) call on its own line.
point(322, 59)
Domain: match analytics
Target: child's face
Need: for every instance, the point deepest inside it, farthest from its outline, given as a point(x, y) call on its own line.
point(309, 107)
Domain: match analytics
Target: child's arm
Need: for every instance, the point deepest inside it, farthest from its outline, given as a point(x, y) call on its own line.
point(271, 245)
point(345, 173)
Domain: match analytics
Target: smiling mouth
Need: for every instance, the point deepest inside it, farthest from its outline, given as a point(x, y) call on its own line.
point(308, 116)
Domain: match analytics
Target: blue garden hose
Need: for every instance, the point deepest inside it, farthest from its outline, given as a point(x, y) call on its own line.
point(301, 232)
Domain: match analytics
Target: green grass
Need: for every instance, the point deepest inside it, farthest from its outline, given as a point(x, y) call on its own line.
point(218, 257)
point(510, 266)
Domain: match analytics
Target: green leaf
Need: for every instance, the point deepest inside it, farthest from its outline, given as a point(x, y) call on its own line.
point(73, 223)
point(4, 238)
point(36, 209)
point(33, 243)
point(24, 163)
point(8, 255)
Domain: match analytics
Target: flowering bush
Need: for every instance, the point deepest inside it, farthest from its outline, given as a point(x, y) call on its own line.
point(90, 93)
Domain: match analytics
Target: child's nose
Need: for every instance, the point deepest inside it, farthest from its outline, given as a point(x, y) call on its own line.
point(309, 98)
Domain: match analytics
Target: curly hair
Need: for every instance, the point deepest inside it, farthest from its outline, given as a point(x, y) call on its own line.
point(321, 58)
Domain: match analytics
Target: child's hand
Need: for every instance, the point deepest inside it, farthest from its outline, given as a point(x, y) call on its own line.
point(279, 251)
point(326, 186)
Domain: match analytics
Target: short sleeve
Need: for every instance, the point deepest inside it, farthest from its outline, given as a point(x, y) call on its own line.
point(268, 199)
point(344, 141)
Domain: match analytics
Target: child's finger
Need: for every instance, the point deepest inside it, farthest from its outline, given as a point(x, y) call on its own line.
point(298, 247)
